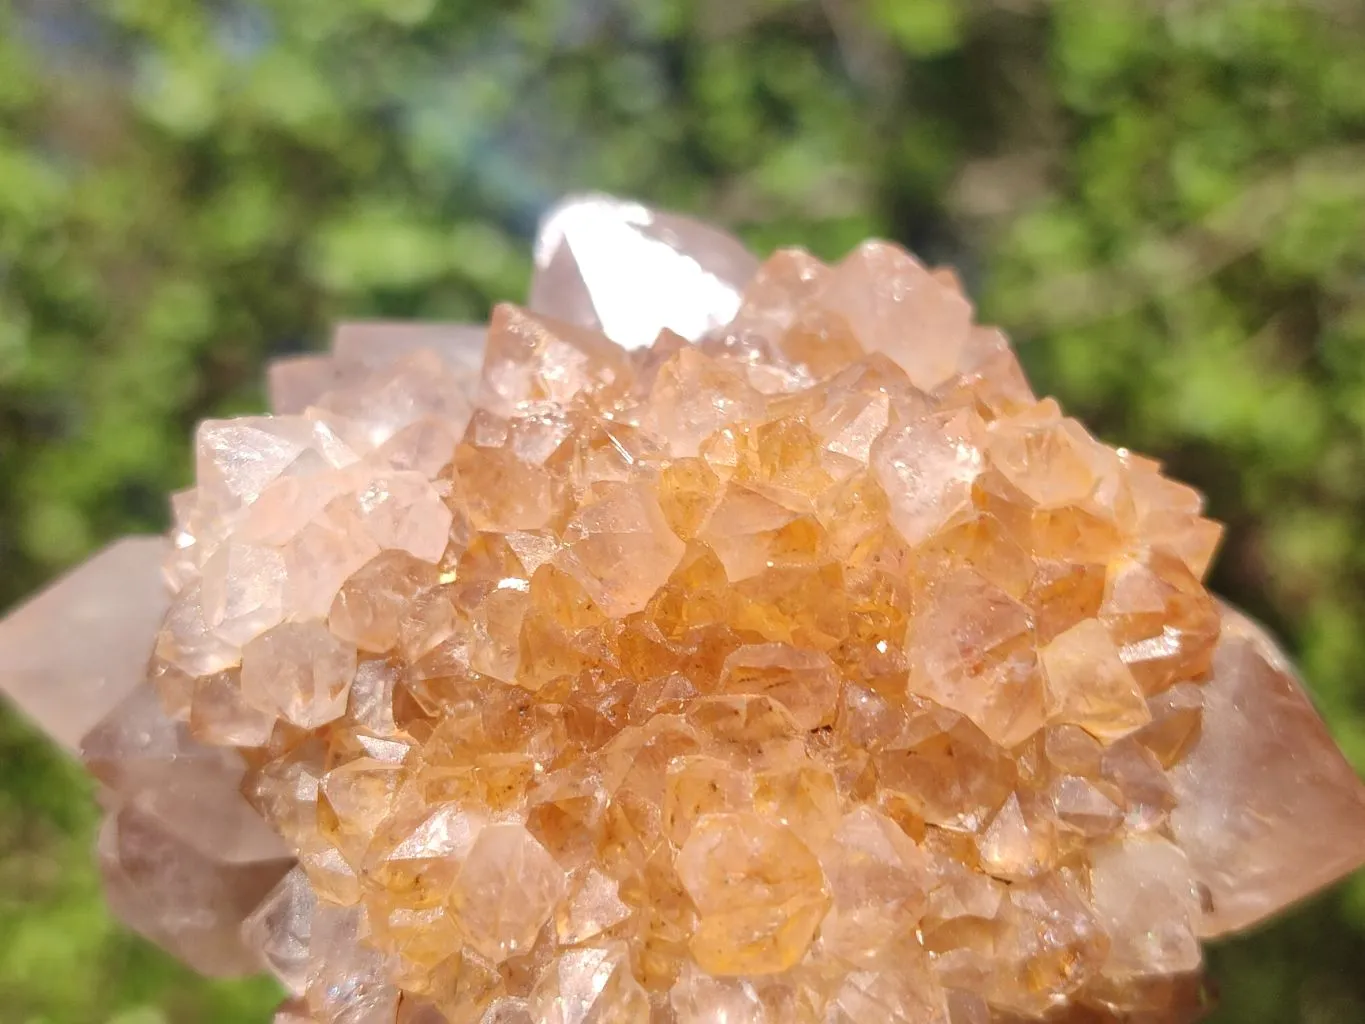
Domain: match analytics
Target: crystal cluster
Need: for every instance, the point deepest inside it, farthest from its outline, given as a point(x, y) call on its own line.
point(708, 642)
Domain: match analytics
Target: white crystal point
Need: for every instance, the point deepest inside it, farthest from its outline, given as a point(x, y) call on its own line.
point(632, 271)
point(1269, 811)
point(73, 652)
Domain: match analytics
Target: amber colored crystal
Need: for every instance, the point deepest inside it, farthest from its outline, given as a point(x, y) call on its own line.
point(706, 642)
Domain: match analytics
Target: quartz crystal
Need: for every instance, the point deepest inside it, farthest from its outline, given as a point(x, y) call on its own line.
point(113, 604)
point(709, 641)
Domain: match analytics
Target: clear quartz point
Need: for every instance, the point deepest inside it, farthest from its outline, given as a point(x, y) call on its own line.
point(631, 271)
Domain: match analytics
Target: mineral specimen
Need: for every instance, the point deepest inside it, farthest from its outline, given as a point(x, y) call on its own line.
point(709, 642)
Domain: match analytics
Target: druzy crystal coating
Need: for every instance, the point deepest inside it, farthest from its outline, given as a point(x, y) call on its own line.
point(710, 641)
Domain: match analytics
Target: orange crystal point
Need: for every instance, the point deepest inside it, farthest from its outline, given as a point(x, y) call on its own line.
point(709, 641)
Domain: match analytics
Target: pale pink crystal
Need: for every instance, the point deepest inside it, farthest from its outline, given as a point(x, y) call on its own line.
point(892, 304)
point(1267, 809)
point(72, 652)
point(168, 882)
point(300, 672)
point(184, 858)
point(1147, 900)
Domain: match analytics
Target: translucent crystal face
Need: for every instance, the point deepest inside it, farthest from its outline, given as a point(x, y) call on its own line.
point(804, 668)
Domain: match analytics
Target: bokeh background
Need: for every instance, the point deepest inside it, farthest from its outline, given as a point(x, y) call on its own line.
point(1162, 200)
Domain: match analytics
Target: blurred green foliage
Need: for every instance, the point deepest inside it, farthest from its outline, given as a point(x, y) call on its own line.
point(1163, 200)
